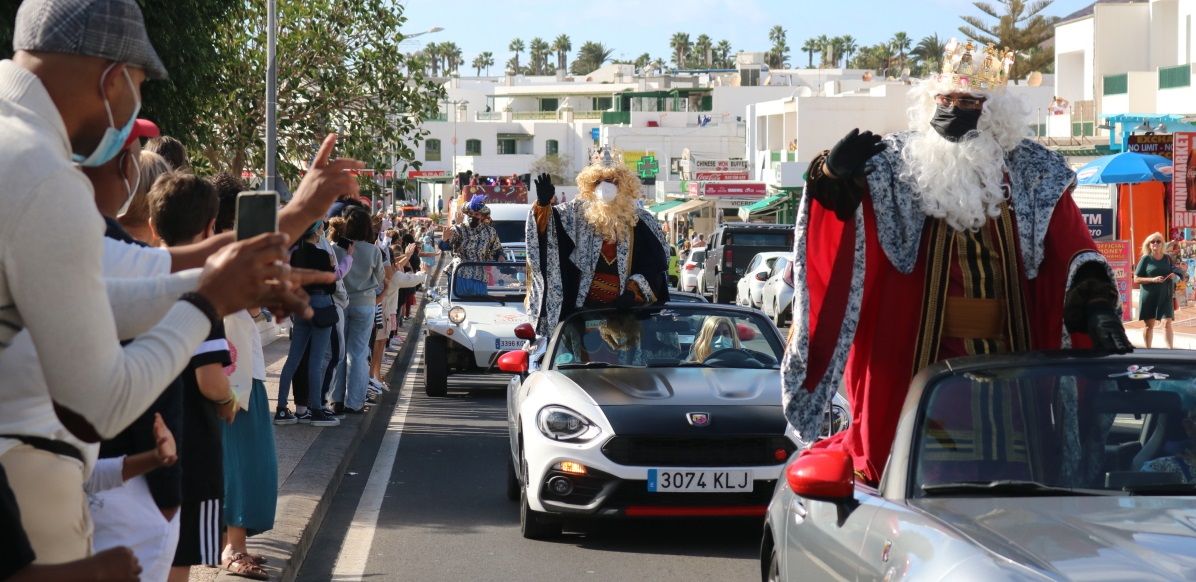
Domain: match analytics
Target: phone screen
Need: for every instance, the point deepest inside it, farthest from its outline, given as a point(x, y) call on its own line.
point(257, 213)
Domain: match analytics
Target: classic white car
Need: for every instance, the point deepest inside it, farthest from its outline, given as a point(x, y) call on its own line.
point(470, 321)
point(666, 411)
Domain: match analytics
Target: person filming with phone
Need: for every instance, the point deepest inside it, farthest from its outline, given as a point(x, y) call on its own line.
point(1156, 276)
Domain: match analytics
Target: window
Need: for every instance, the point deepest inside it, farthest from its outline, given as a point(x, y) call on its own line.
point(473, 147)
point(432, 150)
point(552, 147)
point(548, 104)
point(506, 147)
point(601, 103)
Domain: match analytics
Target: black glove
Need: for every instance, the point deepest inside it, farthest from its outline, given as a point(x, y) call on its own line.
point(626, 301)
point(545, 191)
point(1106, 329)
point(849, 157)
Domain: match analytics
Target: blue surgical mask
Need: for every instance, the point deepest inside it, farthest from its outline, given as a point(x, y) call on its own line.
point(722, 342)
point(114, 139)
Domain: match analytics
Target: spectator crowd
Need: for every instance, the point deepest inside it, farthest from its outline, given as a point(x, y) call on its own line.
point(136, 436)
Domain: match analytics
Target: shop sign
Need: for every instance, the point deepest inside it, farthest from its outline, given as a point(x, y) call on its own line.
point(1099, 222)
point(719, 165)
point(1183, 200)
point(735, 189)
point(1157, 144)
point(413, 174)
point(721, 176)
point(1121, 260)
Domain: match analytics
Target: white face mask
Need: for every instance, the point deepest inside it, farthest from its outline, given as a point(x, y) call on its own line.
point(606, 192)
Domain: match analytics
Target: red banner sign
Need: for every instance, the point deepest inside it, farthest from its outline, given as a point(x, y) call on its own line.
point(733, 189)
point(413, 174)
point(1183, 181)
point(1121, 260)
point(721, 176)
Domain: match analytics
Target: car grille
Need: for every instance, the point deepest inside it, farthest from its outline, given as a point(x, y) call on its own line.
point(752, 451)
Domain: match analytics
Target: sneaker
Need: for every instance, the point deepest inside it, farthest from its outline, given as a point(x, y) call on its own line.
point(329, 412)
point(303, 417)
point(318, 418)
point(364, 409)
point(338, 410)
point(284, 416)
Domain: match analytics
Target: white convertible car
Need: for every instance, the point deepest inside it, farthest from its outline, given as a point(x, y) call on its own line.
point(667, 411)
point(470, 321)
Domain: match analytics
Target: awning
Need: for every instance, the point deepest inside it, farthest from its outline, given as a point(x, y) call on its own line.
point(770, 205)
point(689, 206)
point(658, 209)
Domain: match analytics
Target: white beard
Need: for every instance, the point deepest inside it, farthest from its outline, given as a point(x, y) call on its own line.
point(961, 182)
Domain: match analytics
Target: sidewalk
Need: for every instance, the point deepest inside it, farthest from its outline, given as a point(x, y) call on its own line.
point(304, 496)
point(1184, 327)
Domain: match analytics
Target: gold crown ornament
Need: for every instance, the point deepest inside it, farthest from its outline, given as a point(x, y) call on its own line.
point(969, 68)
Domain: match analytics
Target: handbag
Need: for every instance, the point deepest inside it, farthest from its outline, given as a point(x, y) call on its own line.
point(324, 316)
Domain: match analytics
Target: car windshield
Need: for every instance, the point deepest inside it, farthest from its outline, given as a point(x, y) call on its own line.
point(759, 239)
point(1092, 425)
point(488, 282)
point(697, 256)
point(510, 231)
point(672, 337)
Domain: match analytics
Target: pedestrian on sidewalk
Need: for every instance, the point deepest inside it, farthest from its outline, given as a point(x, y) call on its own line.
point(361, 283)
point(1156, 276)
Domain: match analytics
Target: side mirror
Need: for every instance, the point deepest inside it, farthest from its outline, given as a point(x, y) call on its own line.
point(525, 331)
point(513, 362)
point(822, 474)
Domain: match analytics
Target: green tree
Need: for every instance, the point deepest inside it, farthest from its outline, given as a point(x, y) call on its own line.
point(451, 55)
point(848, 47)
point(562, 45)
point(703, 53)
point(778, 55)
point(590, 57)
point(824, 50)
point(431, 55)
point(338, 69)
point(810, 47)
point(1019, 26)
point(538, 52)
point(722, 55)
point(516, 47)
point(641, 62)
point(928, 54)
point(681, 47)
point(901, 44)
point(487, 61)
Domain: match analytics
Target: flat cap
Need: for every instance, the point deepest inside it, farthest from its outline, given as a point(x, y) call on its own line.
point(108, 29)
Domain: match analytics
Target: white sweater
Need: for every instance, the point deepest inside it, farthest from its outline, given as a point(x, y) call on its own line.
point(51, 240)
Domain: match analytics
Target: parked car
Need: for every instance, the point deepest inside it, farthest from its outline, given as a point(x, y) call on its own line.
point(731, 248)
point(686, 297)
point(691, 270)
point(777, 294)
point(1040, 466)
point(631, 414)
point(469, 322)
point(751, 284)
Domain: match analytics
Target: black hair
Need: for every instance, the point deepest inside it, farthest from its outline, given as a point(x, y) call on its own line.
point(227, 187)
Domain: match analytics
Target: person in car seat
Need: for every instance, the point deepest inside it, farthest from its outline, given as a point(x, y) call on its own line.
point(717, 333)
point(1183, 462)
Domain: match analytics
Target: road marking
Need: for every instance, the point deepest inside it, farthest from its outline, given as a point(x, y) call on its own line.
point(355, 549)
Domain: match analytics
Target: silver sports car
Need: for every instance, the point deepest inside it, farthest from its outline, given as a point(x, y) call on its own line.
point(1033, 467)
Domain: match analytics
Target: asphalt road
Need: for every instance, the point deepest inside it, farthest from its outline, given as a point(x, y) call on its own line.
point(444, 515)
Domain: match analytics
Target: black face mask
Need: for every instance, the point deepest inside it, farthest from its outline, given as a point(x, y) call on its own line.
point(954, 123)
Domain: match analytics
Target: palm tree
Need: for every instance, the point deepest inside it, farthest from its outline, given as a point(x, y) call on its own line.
point(778, 56)
point(810, 47)
point(824, 50)
point(487, 61)
point(901, 43)
point(703, 51)
point(928, 54)
point(562, 45)
point(681, 47)
point(538, 52)
point(722, 54)
point(516, 47)
point(452, 57)
point(432, 53)
point(479, 62)
point(848, 46)
point(590, 56)
point(641, 62)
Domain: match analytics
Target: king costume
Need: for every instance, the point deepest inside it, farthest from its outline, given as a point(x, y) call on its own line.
point(890, 286)
point(600, 249)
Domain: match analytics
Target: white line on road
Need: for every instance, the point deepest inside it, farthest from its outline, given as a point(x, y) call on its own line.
point(355, 549)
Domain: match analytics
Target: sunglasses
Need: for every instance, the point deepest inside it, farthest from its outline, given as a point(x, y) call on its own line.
point(968, 103)
point(1156, 242)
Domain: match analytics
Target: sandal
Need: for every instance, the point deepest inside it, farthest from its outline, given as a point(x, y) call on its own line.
point(243, 565)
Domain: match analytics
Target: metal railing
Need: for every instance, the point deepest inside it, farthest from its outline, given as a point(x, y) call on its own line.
point(588, 115)
point(534, 115)
point(489, 116)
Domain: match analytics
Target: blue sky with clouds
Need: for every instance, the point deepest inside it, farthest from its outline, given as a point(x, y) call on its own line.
point(633, 27)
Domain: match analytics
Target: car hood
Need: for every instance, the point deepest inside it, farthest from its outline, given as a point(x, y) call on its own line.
point(1106, 538)
point(676, 386)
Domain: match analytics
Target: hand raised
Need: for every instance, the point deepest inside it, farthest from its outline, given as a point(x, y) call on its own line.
point(545, 190)
point(849, 157)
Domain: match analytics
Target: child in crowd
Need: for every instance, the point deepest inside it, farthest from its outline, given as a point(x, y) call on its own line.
point(183, 211)
point(250, 460)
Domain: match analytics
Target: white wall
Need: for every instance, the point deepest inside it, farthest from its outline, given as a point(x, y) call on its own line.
point(1074, 54)
point(1164, 33)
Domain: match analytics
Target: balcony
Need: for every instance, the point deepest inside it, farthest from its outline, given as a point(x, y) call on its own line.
point(534, 116)
point(489, 116)
point(588, 115)
point(441, 116)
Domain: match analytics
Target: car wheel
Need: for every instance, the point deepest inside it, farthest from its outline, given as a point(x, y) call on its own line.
point(535, 525)
point(435, 366)
point(773, 573)
point(512, 481)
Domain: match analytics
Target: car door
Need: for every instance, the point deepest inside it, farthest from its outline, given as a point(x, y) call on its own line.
point(743, 287)
point(823, 539)
point(769, 296)
point(710, 266)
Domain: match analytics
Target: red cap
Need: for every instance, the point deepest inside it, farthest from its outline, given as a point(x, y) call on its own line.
point(142, 128)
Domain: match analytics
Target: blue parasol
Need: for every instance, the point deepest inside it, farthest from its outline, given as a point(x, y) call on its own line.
point(1125, 168)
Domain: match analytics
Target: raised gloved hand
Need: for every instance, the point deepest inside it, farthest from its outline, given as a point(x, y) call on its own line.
point(1106, 329)
point(849, 157)
point(545, 191)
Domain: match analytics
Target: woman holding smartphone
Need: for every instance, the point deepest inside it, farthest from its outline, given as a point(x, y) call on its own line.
point(1156, 276)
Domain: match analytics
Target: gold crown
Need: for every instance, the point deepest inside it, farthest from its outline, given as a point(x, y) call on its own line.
point(970, 69)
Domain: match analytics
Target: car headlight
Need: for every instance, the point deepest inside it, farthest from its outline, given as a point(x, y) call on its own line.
point(561, 424)
point(457, 315)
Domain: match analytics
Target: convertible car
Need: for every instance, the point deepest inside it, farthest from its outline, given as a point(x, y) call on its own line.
point(668, 411)
point(1043, 466)
point(469, 322)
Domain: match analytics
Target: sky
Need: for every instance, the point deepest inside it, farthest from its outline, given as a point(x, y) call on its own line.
point(633, 27)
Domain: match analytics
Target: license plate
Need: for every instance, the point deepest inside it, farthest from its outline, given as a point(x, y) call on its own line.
point(668, 480)
point(508, 344)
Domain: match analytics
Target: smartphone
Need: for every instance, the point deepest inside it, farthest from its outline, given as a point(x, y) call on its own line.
point(257, 213)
